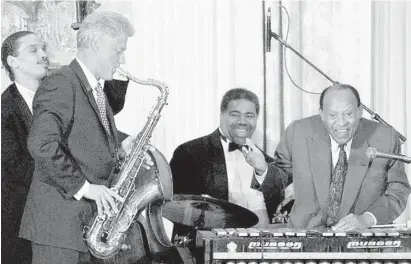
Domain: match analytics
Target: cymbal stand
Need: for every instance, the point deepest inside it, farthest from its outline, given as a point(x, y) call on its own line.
point(182, 243)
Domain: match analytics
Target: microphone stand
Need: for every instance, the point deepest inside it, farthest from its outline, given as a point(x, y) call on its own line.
point(373, 115)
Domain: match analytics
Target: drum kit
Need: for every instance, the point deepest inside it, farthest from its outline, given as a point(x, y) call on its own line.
point(190, 213)
point(202, 212)
point(205, 212)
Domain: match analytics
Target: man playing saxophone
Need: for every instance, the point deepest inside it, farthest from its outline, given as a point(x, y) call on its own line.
point(74, 143)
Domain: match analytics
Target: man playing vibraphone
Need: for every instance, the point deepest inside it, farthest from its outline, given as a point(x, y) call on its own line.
point(335, 184)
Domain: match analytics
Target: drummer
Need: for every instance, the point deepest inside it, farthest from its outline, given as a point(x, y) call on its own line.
point(226, 164)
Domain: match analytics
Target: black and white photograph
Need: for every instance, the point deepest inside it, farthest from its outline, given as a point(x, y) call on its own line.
point(205, 132)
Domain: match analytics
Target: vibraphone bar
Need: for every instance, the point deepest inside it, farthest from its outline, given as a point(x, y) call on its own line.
point(291, 246)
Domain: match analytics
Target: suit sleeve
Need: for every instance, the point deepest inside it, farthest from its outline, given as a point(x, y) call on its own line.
point(122, 136)
point(185, 176)
point(279, 174)
point(17, 166)
point(116, 94)
point(115, 91)
point(392, 203)
point(254, 183)
point(179, 170)
point(53, 107)
point(273, 193)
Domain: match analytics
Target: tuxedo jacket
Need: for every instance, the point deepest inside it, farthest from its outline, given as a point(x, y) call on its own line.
point(378, 186)
point(17, 168)
point(199, 167)
point(69, 145)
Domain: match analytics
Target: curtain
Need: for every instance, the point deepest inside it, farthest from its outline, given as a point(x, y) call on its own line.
point(201, 49)
point(391, 71)
point(362, 43)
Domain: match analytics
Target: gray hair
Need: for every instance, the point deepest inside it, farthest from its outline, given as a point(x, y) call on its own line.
point(101, 23)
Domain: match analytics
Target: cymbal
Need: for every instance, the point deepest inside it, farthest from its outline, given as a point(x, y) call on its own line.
point(205, 212)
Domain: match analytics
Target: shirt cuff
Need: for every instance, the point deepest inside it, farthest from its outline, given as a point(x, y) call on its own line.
point(372, 216)
point(82, 191)
point(260, 178)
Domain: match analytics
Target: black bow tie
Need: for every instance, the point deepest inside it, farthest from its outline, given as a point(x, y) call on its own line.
point(234, 146)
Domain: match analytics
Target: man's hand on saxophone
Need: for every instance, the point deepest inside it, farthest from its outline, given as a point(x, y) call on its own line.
point(126, 147)
point(148, 161)
point(104, 198)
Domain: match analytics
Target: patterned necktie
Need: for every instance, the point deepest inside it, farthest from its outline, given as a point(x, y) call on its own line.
point(101, 103)
point(336, 188)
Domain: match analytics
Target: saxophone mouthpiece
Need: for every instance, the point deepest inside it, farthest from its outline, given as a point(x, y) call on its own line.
point(123, 73)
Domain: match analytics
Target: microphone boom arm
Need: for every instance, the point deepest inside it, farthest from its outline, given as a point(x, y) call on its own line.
point(373, 115)
point(382, 121)
point(277, 37)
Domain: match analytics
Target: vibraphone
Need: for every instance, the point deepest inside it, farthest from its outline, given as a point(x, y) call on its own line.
point(289, 246)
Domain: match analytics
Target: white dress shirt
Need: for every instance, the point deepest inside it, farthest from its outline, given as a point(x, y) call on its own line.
point(27, 95)
point(335, 152)
point(240, 175)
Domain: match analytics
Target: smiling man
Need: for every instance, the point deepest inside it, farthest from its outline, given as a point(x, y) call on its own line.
point(226, 164)
point(335, 184)
point(24, 58)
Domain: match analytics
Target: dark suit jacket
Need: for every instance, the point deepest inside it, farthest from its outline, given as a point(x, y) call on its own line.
point(199, 167)
point(380, 187)
point(115, 91)
point(17, 168)
point(69, 146)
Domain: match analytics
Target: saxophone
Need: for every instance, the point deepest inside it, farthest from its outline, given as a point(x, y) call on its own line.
point(106, 235)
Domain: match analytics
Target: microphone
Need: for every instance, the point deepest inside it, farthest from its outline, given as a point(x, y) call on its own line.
point(398, 226)
point(268, 32)
point(372, 153)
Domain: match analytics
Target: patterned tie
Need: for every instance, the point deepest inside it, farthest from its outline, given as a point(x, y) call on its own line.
point(101, 103)
point(336, 188)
